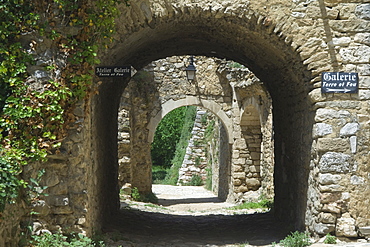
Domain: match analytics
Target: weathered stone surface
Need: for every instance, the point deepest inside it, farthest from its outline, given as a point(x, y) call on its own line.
point(356, 180)
point(332, 144)
point(353, 144)
point(329, 197)
point(349, 129)
point(322, 129)
point(252, 183)
point(346, 226)
point(331, 208)
point(357, 54)
point(327, 218)
point(323, 229)
point(327, 178)
point(363, 11)
point(365, 231)
point(335, 162)
point(325, 114)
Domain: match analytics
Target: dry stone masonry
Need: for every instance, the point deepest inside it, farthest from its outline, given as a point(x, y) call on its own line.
point(320, 160)
point(229, 181)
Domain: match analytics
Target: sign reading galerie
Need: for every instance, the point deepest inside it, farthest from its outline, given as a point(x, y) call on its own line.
point(339, 82)
point(113, 71)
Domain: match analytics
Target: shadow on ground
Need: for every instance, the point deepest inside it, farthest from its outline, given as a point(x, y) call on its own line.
point(147, 227)
point(169, 202)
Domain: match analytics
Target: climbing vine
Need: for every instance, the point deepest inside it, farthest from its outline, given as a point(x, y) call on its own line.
point(35, 105)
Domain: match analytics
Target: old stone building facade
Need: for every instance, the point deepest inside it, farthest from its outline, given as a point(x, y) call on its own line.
point(321, 141)
point(234, 95)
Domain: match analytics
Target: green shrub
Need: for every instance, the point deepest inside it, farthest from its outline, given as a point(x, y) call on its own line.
point(329, 239)
point(173, 173)
point(59, 240)
point(208, 184)
point(159, 173)
point(196, 180)
point(253, 205)
point(296, 239)
point(137, 196)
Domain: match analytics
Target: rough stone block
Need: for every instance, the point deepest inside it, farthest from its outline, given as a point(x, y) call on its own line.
point(323, 229)
point(357, 54)
point(323, 114)
point(242, 189)
point(329, 197)
point(346, 226)
point(237, 168)
point(331, 188)
point(349, 129)
point(240, 161)
point(335, 163)
point(332, 144)
point(331, 208)
point(356, 180)
point(363, 11)
point(322, 129)
point(253, 183)
point(353, 144)
point(328, 178)
point(327, 218)
point(58, 201)
point(239, 175)
point(237, 182)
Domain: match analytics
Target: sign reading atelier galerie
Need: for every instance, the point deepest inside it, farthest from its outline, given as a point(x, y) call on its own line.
point(117, 71)
point(339, 82)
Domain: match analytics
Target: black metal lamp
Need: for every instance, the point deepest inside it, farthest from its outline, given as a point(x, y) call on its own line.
point(190, 70)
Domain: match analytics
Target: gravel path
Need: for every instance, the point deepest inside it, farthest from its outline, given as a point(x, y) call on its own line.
point(189, 216)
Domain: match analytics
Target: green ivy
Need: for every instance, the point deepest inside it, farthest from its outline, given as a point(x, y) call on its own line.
point(32, 122)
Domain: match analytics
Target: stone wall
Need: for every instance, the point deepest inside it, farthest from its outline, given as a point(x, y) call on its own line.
point(195, 159)
point(250, 132)
point(321, 169)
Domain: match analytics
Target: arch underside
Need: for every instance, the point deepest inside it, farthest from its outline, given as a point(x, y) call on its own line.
point(246, 41)
point(195, 101)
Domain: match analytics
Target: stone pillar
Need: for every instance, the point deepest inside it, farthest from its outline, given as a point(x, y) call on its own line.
point(141, 168)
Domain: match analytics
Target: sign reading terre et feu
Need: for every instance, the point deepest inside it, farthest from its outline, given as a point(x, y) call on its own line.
point(339, 82)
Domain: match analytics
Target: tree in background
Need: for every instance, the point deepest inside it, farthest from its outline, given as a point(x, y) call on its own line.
point(168, 135)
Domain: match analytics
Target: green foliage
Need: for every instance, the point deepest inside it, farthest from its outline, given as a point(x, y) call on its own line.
point(58, 240)
point(235, 65)
point(264, 203)
point(296, 239)
point(208, 184)
point(329, 239)
point(173, 172)
point(159, 173)
point(137, 196)
point(32, 122)
point(195, 180)
point(166, 137)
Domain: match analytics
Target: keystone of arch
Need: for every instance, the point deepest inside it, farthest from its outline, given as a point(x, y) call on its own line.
point(195, 101)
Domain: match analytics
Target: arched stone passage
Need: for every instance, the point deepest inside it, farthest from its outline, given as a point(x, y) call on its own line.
point(191, 100)
point(248, 38)
point(287, 44)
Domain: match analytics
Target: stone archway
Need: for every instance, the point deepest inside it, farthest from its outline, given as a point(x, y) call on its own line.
point(287, 46)
point(321, 170)
point(195, 101)
point(252, 40)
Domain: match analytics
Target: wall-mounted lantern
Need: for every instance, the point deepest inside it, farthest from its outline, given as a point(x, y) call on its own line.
point(190, 70)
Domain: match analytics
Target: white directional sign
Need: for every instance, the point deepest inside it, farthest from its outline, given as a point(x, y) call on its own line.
point(339, 82)
point(113, 71)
